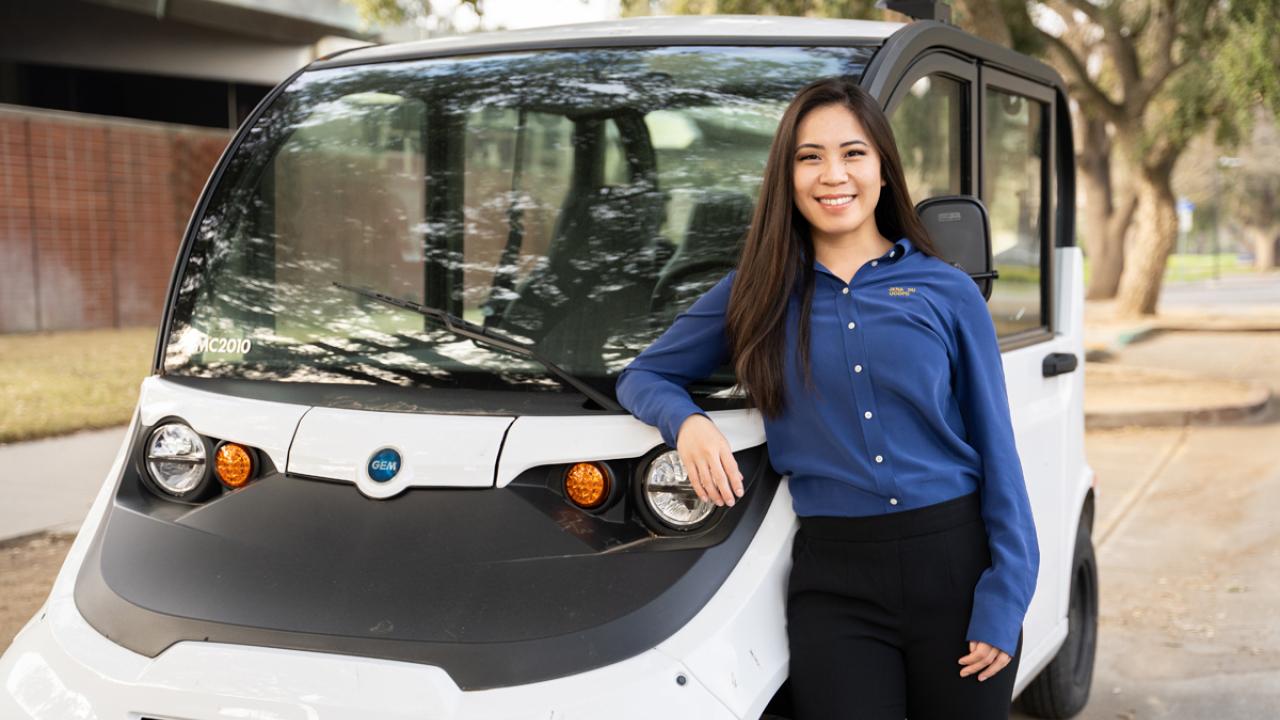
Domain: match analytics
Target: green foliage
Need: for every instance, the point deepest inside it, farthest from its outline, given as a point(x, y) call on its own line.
point(1172, 70)
point(1227, 55)
point(1245, 71)
point(1026, 39)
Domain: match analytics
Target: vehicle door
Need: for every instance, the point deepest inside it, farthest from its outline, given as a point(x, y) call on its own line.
point(965, 128)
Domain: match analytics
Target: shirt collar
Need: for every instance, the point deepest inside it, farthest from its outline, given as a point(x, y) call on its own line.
point(902, 248)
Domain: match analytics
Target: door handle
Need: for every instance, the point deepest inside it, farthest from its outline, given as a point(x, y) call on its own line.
point(1059, 363)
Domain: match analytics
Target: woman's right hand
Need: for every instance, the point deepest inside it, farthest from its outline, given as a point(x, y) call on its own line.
point(708, 460)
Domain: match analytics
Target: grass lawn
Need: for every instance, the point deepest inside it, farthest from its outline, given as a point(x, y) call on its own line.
point(54, 383)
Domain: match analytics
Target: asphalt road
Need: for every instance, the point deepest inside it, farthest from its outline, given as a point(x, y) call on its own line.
point(1238, 294)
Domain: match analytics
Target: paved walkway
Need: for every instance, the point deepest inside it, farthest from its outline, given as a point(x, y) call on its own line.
point(50, 484)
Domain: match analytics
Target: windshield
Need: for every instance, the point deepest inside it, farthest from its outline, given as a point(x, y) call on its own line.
point(575, 201)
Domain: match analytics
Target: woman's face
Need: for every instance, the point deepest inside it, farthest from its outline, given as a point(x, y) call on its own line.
point(836, 172)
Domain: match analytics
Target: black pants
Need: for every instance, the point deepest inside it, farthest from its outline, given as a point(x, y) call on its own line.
point(877, 609)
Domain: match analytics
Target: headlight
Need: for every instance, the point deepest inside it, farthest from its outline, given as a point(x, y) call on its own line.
point(176, 459)
point(669, 494)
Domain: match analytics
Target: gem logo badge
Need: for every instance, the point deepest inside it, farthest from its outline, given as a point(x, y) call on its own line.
point(384, 465)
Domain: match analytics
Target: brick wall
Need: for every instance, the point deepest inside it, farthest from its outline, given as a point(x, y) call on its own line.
point(91, 213)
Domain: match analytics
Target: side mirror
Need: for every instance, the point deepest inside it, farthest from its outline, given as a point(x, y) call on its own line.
point(961, 231)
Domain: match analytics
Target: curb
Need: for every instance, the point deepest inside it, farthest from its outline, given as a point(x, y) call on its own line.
point(1257, 400)
point(1106, 350)
point(1142, 330)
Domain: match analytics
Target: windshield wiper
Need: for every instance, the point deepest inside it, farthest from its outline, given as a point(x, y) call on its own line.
point(492, 338)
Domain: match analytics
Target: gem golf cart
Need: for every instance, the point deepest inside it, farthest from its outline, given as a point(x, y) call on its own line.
point(378, 470)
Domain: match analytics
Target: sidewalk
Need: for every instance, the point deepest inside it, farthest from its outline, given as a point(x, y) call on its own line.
point(1133, 396)
point(1126, 395)
point(49, 484)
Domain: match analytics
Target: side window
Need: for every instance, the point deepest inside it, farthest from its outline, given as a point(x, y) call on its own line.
point(1013, 189)
point(927, 125)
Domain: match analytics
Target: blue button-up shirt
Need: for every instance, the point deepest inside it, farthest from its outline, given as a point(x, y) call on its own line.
point(909, 409)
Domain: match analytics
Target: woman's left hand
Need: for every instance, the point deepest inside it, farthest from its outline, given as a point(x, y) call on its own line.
point(982, 655)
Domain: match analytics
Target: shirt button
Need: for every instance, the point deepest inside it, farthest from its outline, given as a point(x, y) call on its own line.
point(845, 291)
point(857, 368)
point(879, 458)
point(853, 325)
point(893, 501)
point(874, 263)
point(867, 414)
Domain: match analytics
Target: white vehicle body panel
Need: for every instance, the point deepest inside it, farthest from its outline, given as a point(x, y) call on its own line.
point(263, 424)
point(540, 440)
point(437, 450)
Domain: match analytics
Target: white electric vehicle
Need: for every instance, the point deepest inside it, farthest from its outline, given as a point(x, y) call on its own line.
point(379, 471)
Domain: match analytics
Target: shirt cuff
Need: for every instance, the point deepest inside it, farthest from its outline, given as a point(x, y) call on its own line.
point(670, 426)
point(995, 623)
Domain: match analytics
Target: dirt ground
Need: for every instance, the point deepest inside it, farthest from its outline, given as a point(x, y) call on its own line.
point(28, 566)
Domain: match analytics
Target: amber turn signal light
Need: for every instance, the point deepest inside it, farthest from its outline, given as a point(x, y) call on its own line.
point(233, 465)
point(586, 484)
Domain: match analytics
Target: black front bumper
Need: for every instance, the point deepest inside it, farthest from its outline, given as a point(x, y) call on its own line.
point(498, 587)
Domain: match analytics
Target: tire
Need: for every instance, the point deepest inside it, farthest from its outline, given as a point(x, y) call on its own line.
point(1061, 690)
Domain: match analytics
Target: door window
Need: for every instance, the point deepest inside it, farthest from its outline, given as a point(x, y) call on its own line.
point(1013, 190)
point(927, 126)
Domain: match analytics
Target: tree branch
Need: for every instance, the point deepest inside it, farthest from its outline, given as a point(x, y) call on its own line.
point(1093, 12)
point(1124, 54)
point(1089, 90)
point(1163, 64)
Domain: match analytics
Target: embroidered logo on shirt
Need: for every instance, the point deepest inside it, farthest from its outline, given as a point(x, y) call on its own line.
point(901, 291)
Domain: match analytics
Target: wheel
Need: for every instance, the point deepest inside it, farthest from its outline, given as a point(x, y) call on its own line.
point(1061, 690)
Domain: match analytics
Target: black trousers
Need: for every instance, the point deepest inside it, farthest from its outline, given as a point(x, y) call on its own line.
point(877, 610)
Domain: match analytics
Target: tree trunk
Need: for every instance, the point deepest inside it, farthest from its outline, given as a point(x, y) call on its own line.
point(1265, 241)
point(1105, 222)
point(1156, 232)
point(1260, 216)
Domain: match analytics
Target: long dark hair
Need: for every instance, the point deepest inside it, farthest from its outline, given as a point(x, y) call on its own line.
point(778, 251)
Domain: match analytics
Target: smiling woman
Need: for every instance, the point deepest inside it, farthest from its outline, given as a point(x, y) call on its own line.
point(837, 181)
point(877, 371)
